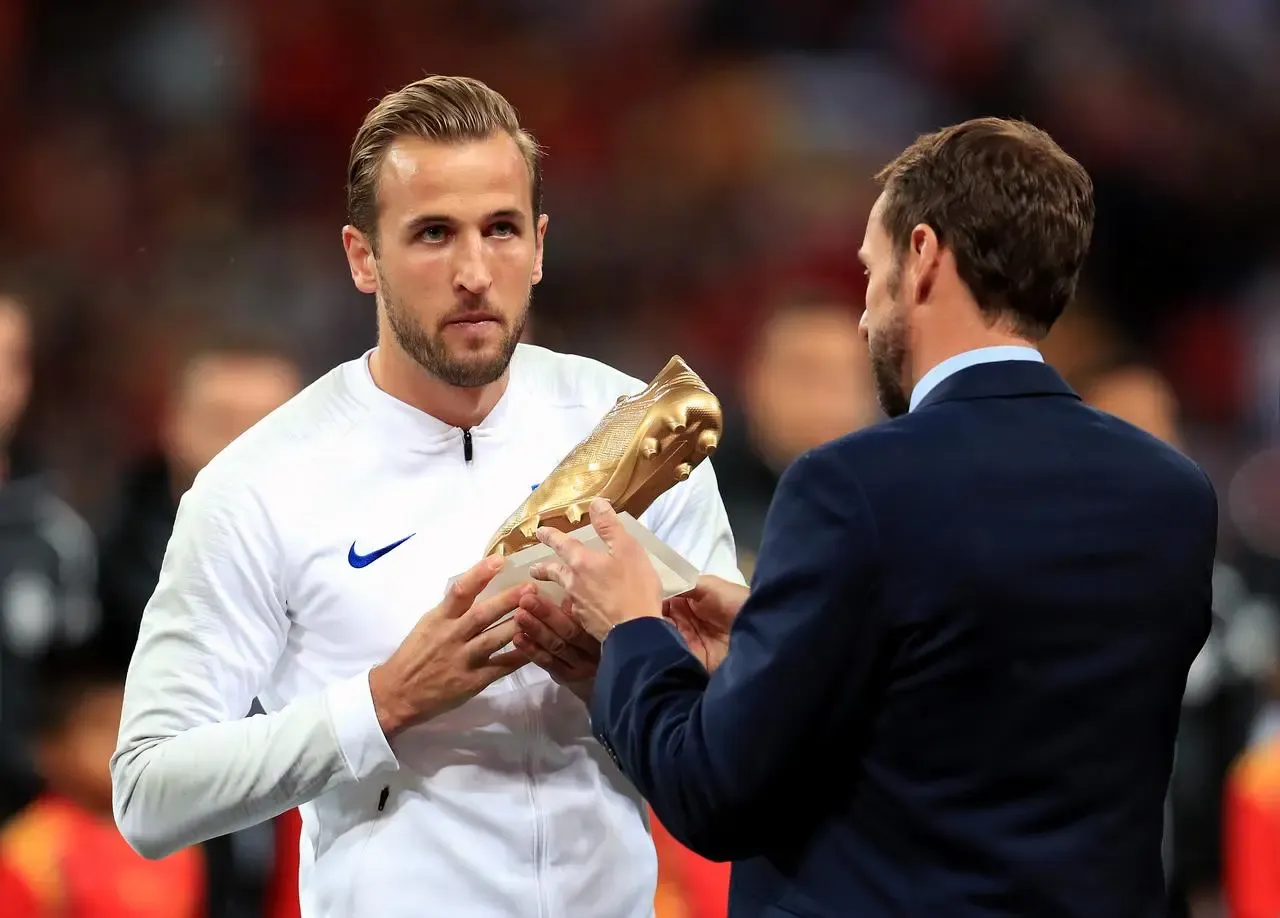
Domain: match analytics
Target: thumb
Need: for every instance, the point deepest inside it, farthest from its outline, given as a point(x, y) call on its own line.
point(605, 521)
point(464, 588)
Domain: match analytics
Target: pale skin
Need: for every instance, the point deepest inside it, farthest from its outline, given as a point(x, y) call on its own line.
point(15, 371)
point(222, 396)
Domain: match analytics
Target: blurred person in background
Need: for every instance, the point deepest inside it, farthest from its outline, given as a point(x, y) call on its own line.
point(225, 382)
point(47, 566)
point(62, 855)
point(1237, 662)
point(435, 774)
point(1111, 375)
point(1251, 833)
point(806, 380)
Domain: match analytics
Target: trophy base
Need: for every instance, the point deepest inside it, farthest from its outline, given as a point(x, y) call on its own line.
point(677, 575)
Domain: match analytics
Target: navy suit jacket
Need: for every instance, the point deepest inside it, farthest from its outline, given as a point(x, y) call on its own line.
point(955, 686)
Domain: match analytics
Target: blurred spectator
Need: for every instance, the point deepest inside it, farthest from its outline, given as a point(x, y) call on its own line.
point(282, 889)
point(1109, 373)
point(62, 856)
point(47, 567)
point(689, 886)
point(806, 380)
point(1252, 833)
point(1223, 684)
point(223, 386)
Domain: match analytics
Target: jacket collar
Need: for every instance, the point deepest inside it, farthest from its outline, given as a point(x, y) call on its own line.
point(1003, 379)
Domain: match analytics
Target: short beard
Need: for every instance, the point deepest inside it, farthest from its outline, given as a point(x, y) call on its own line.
point(432, 354)
point(889, 357)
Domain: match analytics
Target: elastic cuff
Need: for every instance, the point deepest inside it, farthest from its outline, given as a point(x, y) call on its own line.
point(355, 723)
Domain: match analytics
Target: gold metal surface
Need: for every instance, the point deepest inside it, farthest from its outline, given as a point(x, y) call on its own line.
point(643, 446)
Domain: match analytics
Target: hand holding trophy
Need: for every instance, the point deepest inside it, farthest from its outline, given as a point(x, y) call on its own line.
point(645, 445)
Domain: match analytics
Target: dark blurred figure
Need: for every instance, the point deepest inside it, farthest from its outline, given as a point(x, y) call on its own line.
point(1223, 685)
point(806, 381)
point(62, 855)
point(223, 386)
point(1110, 374)
point(1251, 832)
point(47, 567)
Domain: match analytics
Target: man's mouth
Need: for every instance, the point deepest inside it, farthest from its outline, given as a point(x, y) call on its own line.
point(473, 319)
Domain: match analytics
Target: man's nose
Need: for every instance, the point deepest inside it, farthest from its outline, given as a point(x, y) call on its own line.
point(472, 272)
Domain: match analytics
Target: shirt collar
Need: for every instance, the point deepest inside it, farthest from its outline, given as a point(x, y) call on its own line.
point(967, 359)
point(416, 424)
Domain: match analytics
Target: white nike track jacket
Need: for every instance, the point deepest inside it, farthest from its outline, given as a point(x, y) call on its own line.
point(301, 557)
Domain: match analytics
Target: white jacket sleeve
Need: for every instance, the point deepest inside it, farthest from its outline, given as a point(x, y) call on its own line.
point(189, 764)
point(691, 519)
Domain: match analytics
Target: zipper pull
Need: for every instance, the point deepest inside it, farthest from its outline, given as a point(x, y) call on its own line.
point(466, 445)
point(382, 798)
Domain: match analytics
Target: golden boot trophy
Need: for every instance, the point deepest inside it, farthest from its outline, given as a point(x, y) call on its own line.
point(642, 447)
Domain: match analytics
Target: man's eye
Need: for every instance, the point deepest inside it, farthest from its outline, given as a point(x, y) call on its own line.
point(435, 233)
point(504, 228)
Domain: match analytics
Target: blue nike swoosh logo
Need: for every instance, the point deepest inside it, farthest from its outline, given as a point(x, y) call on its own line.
point(357, 560)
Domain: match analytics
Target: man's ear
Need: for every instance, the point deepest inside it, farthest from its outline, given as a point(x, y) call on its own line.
point(540, 235)
point(361, 259)
point(923, 258)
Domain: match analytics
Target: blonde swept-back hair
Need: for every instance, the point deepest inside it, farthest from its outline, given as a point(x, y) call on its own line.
point(448, 109)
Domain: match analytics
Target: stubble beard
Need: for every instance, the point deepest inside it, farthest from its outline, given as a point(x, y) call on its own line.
point(431, 352)
point(889, 355)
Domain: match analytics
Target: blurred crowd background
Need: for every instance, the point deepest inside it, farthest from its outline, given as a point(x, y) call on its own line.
point(171, 195)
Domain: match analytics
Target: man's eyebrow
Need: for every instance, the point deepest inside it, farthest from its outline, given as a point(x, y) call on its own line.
point(506, 213)
point(426, 220)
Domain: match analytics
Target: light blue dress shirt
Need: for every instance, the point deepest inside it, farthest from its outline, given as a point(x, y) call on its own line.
point(959, 362)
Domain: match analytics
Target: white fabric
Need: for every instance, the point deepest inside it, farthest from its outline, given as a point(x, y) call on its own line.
point(505, 806)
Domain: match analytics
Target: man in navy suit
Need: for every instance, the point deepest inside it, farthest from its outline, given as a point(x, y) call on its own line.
point(954, 686)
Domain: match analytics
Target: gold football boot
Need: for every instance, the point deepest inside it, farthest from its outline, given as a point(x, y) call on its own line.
point(642, 447)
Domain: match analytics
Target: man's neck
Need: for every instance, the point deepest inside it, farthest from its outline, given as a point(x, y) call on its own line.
point(929, 354)
point(401, 377)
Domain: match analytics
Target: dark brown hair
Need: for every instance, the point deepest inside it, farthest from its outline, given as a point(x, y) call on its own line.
point(1014, 209)
point(450, 109)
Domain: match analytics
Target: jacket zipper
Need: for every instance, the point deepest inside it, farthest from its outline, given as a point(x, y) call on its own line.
point(358, 863)
point(539, 842)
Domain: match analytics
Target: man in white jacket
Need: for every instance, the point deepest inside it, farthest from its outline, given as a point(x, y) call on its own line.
point(436, 773)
